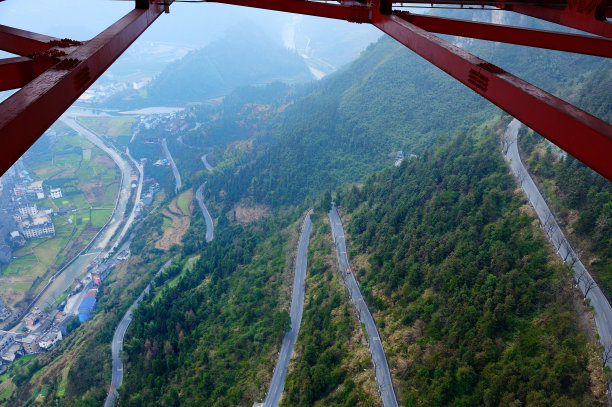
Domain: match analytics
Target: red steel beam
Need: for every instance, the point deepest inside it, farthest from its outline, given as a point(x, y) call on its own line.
point(21, 42)
point(584, 136)
point(582, 22)
point(582, 44)
point(17, 72)
point(352, 13)
point(29, 112)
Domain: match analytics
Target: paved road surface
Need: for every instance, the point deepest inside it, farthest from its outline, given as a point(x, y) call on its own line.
point(207, 217)
point(603, 311)
point(117, 344)
point(297, 306)
point(177, 176)
point(132, 216)
point(206, 164)
point(381, 368)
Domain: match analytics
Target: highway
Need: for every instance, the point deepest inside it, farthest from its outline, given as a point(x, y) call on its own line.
point(603, 311)
point(65, 277)
point(277, 383)
point(132, 216)
point(209, 222)
point(117, 344)
point(381, 368)
point(177, 176)
point(125, 168)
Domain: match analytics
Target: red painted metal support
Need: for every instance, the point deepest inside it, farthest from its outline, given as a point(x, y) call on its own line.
point(17, 72)
point(73, 67)
point(588, 22)
point(584, 136)
point(352, 13)
point(21, 42)
point(582, 44)
point(29, 112)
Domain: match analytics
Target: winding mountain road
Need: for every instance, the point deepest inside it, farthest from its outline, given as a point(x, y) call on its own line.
point(277, 383)
point(205, 162)
point(177, 175)
point(117, 344)
point(381, 368)
point(209, 222)
point(603, 311)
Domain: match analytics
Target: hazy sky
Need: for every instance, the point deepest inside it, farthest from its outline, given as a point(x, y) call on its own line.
point(188, 23)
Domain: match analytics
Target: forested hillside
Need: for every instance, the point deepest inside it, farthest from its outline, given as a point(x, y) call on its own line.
point(210, 338)
point(354, 122)
point(471, 306)
point(331, 365)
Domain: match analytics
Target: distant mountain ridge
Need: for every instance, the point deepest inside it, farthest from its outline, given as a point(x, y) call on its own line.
point(244, 56)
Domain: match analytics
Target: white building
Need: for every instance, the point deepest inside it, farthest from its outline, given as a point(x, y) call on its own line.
point(50, 338)
point(28, 208)
point(39, 227)
point(55, 193)
point(6, 341)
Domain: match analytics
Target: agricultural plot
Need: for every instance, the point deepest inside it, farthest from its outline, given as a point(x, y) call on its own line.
point(117, 128)
point(100, 216)
point(90, 182)
point(184, 202)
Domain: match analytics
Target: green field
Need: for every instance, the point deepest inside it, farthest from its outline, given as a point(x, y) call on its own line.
point(184, 200)
point(167, 223)
point(20, 266)
point(100, 216)
point(17, 286)
point(118, 128)
point(67, 160)
point(71, 140)
point(110, 195)
point(78, 201)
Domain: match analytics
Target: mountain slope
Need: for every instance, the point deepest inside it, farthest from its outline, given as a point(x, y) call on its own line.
point(474, 310)
point(353, 122)
point(244, 56)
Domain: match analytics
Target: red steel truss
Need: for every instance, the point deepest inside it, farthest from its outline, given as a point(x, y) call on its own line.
point(53, 73)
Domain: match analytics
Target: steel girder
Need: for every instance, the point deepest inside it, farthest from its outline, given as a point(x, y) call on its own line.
point(53, 76)
point(584, 136)
point(53, 73)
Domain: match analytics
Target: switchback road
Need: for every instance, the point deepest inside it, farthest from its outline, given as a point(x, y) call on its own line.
point(381, 368)
point(209, 222)
point(177, 175)
point(603, 311)
point(117, 344)
point(297, 306)
point(205, 162)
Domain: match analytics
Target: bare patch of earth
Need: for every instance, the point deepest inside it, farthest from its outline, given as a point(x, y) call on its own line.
point(247, 214)
point(175, 232)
